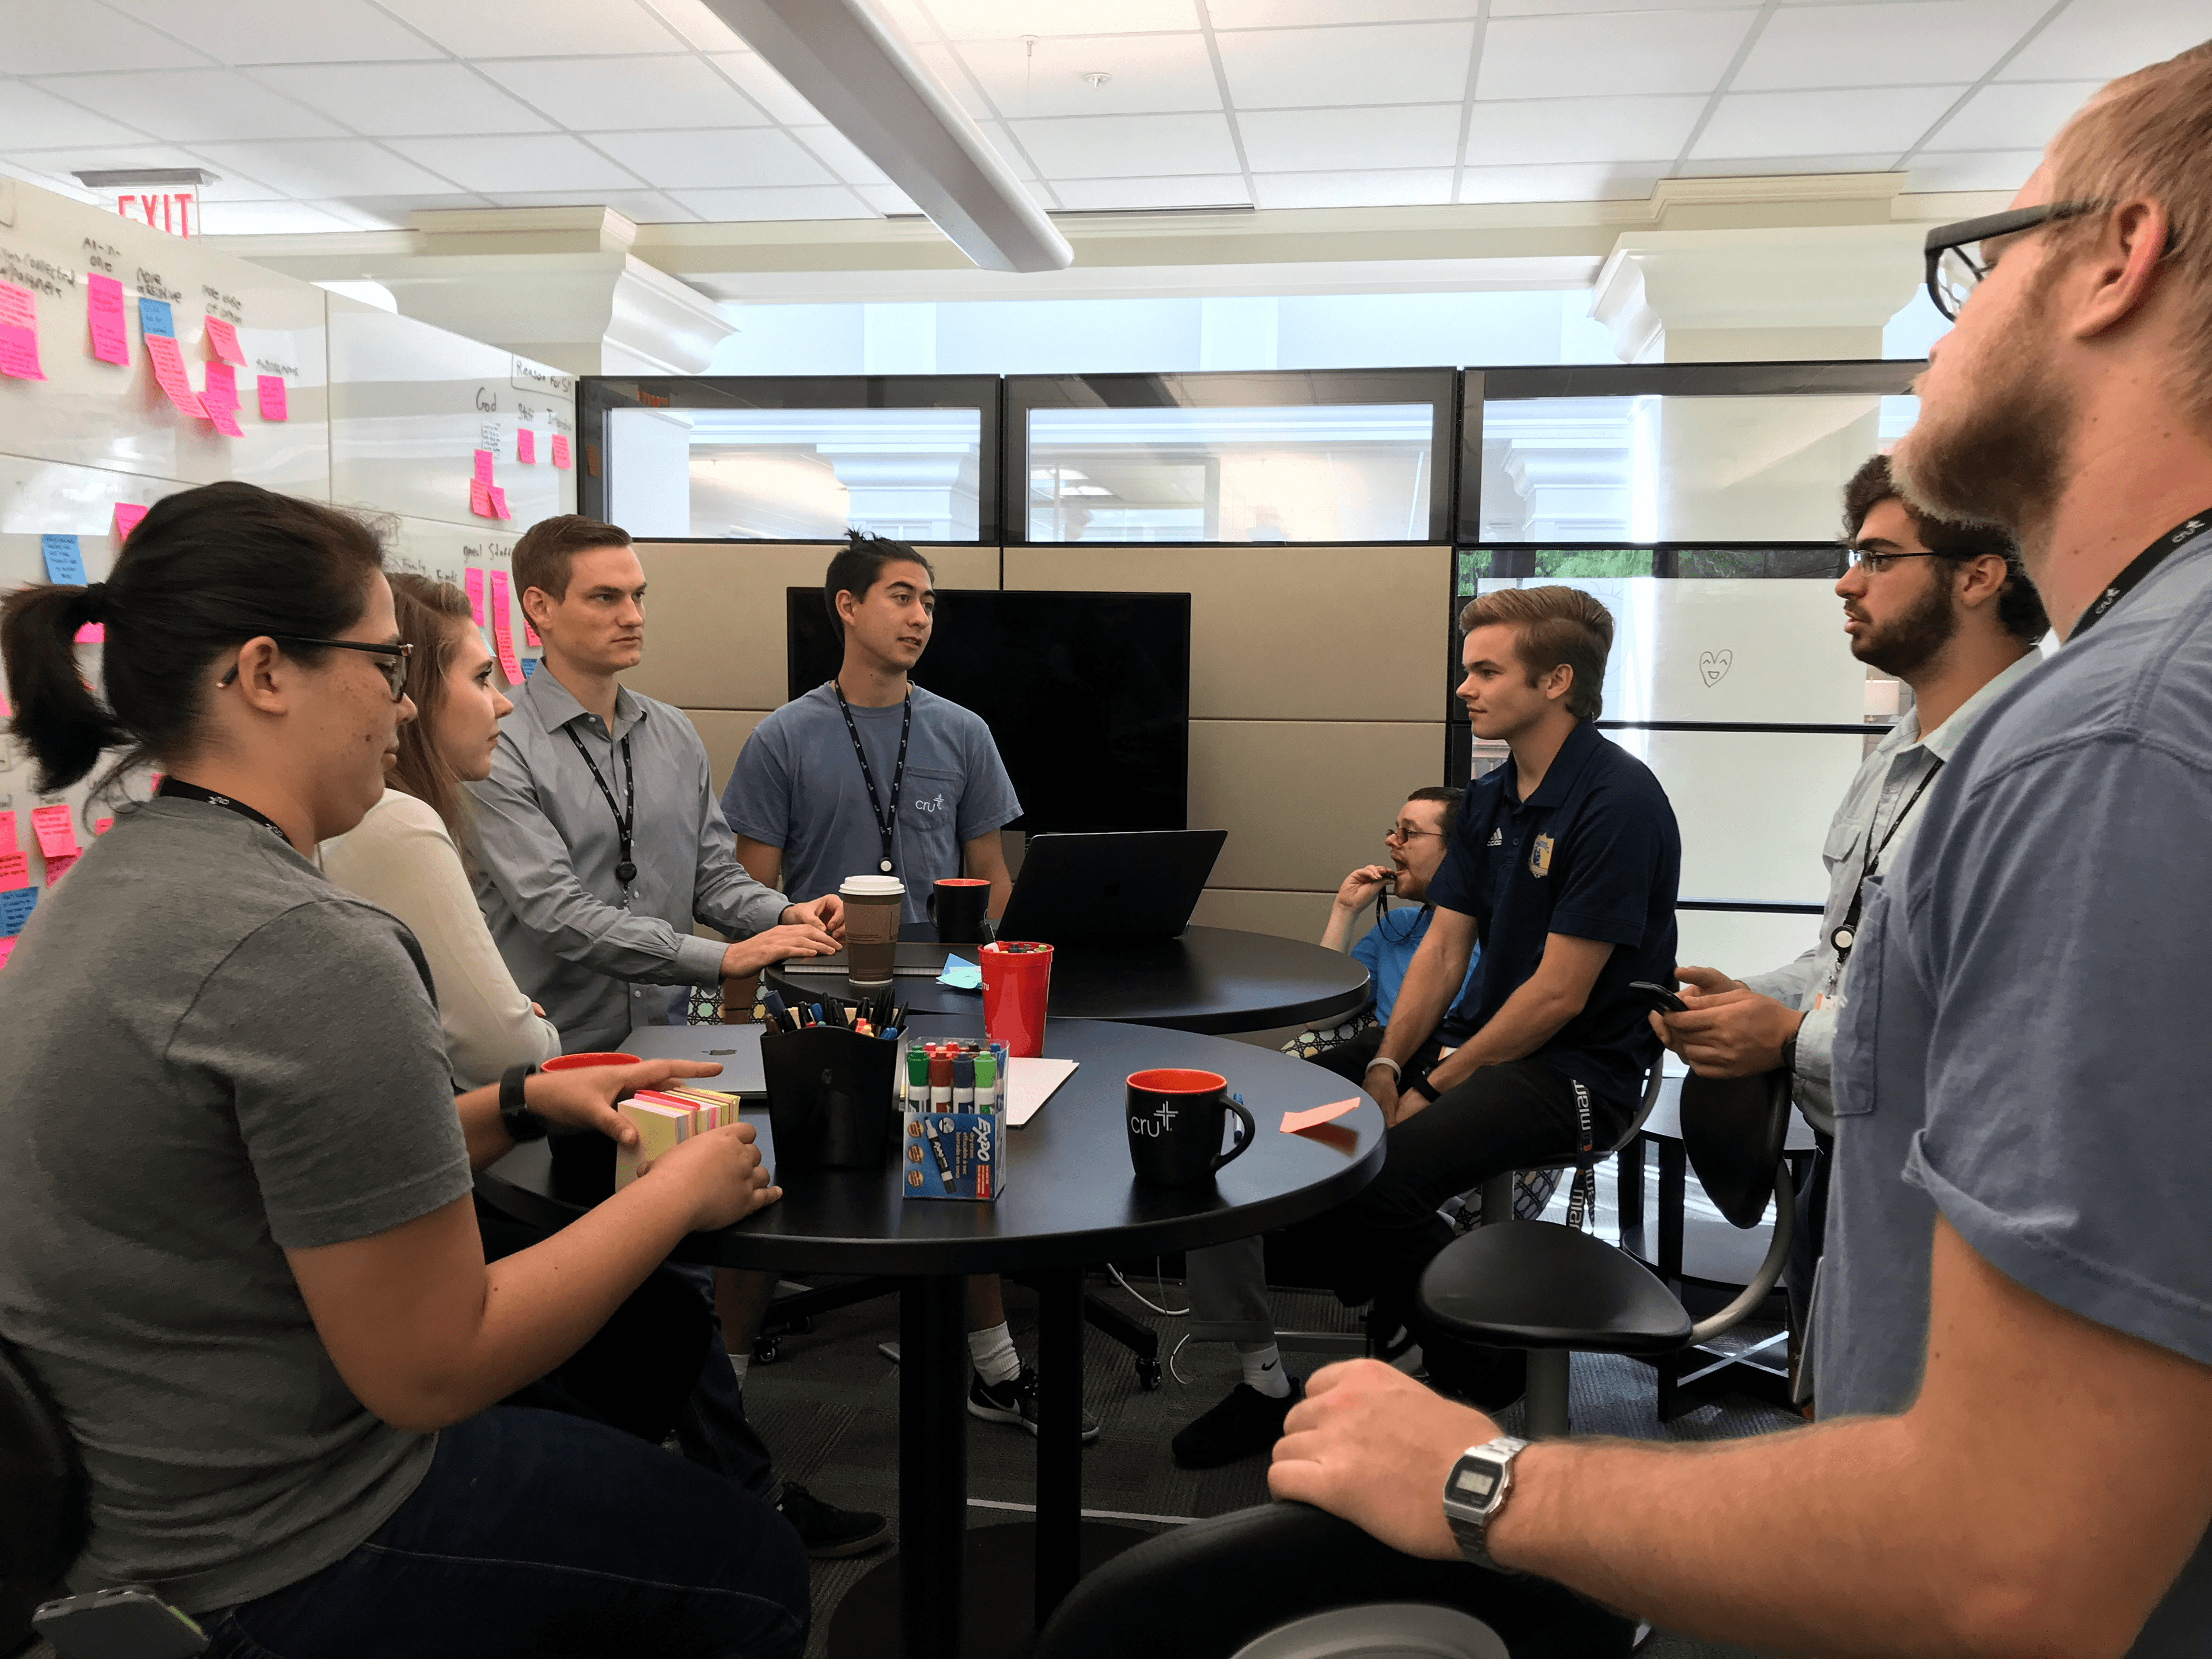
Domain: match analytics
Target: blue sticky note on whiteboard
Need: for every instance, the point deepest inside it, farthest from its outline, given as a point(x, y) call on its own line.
point(15, 910)
point(529, 666)
point(154, 318)
point(64, 559)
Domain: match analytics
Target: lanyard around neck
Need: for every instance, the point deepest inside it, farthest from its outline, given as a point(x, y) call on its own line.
point(886, 823)
point(171, 788)
point(2138, 567)
point(1847, 931)
point(625, 871)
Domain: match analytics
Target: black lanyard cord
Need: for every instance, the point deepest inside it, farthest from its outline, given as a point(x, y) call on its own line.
point(1847, 931)
point(2138, 567)
point(625, 870)
point(177, 789)
point(886, 823)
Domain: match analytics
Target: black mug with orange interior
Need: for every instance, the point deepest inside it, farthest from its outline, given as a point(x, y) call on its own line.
point(1175, 1118)
point(958, 908)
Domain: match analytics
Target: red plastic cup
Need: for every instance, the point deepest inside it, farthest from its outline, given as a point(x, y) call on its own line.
point(1016, 984)
point(577, 1062)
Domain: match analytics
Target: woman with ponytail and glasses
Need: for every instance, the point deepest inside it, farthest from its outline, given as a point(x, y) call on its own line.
point(406, 856)
point(237, 1248)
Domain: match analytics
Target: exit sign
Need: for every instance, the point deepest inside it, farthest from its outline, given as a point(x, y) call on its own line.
point(176, 212)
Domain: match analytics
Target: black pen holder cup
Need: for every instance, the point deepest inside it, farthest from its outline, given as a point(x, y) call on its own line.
point(829, 1101)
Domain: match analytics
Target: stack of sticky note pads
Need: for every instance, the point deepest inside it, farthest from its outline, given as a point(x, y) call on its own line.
point(666, 1119)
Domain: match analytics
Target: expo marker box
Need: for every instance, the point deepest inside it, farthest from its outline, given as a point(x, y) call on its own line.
point(957, 1154)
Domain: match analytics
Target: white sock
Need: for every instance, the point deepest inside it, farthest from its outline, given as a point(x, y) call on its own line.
point(992, 1353)
point(1263, 1369)
point(738, 1361)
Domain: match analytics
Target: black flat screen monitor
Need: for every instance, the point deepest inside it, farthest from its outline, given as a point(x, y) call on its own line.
point(1087, 694)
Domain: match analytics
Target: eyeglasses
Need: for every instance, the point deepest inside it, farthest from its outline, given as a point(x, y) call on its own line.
point(1874, 563)
point(393, 667)
point(1952, 271)
point(1399, 832)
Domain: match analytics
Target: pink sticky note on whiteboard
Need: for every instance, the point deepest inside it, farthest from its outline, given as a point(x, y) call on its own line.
point(480, 499)
point(500, 613)
point(224, 338)
point(19, 353)
point(561, 451)
point(169, 375)
point(7, 949)
point(526, 446)
point(127, 515)
point(7, 831)
point(222, 393)
point(111, 341)
point(474, 581)
point(101, 826)
point(58, 867)
point(15, 869)
point(272, 397)
point(499, 503)
point(484, 468)
point(57, 833)
point(529, 633)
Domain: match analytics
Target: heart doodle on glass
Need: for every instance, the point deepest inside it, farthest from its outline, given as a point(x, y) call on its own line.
point(1715, 664)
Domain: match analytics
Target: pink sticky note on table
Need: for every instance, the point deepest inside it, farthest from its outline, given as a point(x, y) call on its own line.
point(169, 375)
point(561, 451)
point(91, 633)
point(272, 397)
point(1314, 1116)
point(15, 871)
point(127, 515)
point(484, 468)
point(57, 833)
point(111, 340)
point(224, 338)
point(474, 581)
point(499, 503)
point(480, 499)
point(526, 446)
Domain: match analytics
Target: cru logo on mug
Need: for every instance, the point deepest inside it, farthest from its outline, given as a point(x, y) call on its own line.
point(1174, 1120)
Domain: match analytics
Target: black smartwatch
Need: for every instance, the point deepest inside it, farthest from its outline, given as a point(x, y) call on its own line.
point(1420, 1085)
point(514, 1113)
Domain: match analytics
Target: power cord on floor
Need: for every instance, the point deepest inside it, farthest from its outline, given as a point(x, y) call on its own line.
point(1158, 1282)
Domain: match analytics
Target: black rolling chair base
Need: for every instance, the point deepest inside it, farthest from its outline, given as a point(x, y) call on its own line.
point(998, 1608)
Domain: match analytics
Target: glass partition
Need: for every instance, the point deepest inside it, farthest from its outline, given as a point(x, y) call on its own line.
point(1231, 458)
point(802, 460)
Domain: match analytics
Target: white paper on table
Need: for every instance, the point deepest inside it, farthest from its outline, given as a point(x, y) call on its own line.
point(1030, 1084)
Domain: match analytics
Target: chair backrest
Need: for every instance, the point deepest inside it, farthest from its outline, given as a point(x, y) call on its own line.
point(1733, 1130)
point(43, 1516)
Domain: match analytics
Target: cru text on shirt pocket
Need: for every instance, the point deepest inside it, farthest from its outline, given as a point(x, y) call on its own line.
point(930, 800)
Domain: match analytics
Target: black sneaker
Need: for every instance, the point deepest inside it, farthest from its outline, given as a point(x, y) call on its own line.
point(828, 1531)
point(1246, 1421)
point(1014, 1401)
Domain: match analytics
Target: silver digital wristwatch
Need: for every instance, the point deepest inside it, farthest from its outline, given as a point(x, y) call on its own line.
point(1474, 1491)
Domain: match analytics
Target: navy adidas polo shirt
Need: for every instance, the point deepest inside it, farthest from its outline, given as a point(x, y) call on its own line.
point(1594, 853)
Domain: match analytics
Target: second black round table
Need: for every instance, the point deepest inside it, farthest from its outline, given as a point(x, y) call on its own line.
point(1206, 979)
point(1069, 1200)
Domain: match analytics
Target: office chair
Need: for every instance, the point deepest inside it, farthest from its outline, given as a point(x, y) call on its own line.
point(1549, 1290)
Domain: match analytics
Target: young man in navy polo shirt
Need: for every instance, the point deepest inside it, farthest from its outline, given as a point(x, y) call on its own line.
point(1564, 864)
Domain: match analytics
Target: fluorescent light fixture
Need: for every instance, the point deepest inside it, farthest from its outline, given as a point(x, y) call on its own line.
point(846, 62)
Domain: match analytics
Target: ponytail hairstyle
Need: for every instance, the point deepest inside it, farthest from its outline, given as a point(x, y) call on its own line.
point(436, 616)
point(204, 571)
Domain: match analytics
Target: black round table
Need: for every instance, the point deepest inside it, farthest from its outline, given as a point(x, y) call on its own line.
point(1069, 1200)
point(1206, 979)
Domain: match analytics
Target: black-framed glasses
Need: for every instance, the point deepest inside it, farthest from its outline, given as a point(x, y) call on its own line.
point(1874, 563)
point(1399, 832)
point(393, 667)
point(1952, 271)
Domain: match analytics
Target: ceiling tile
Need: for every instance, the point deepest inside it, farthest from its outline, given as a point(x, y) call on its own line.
point(1651, 51)
point(1773, 166)
point(1565, 130)
point(1394, 136)
point(1199, 189)
point(1411, 188)
point(32, 119)
point(2004, 169)
point(510, 28)
point(623, 94)
point(2018, 116)
point(1386, 63)
point(185, 106)
point(953, 75)
point(1010, 20)
point(1609, 182)
point(526, 161)
point(283, 31)
point(1884, 45)
point(729, 206)
point(1754, 123)
point(766, 87)
point(1127, 146)
point(698, 25)
point(395, 100)
point(2104, 38)
point(840, 154)
point(1284, 14)
point(267, 219)
point(886, 199)
point(326, 168)
point(1150, 73)
point(44, 37)
point(391, 212)
point(734, 158)
point(643, 207)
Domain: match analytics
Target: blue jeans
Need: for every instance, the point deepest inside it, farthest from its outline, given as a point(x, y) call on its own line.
point(544, 1536)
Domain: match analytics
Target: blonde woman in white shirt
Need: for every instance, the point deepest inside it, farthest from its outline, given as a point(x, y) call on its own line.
point(405, 855)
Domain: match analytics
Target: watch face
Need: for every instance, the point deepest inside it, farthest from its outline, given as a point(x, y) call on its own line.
point(1475, 1482)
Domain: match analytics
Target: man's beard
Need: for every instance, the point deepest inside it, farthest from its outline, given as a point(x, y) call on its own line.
point(1906, 645)
point(1995, 454)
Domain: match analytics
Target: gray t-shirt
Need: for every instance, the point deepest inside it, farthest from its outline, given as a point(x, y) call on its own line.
point(797, 785)
point(2023, 1049)
point(212, 1054)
